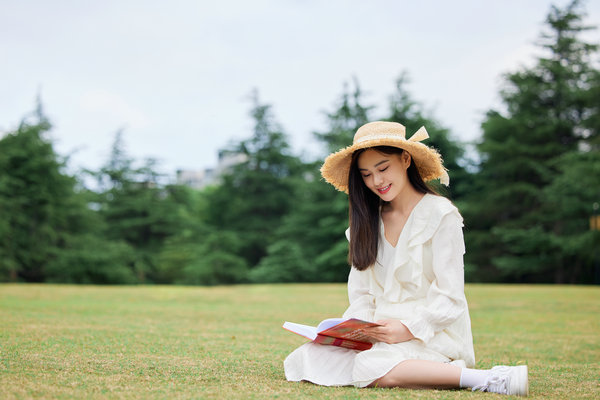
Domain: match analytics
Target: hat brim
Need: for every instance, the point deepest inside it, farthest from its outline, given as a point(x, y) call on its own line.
point(336, 168)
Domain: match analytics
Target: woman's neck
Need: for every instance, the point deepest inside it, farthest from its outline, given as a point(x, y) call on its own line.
point(405, 201)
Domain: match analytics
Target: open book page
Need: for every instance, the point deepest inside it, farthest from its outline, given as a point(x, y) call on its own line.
point(309, 332)
point(330, 323)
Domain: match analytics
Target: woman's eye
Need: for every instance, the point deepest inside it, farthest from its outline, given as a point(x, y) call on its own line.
point(366, 176)
point(381, 170)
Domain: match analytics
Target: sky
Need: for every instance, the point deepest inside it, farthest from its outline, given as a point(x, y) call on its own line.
point(176, 76)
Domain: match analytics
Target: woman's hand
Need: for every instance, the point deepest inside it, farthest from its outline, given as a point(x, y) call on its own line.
point(390, 331)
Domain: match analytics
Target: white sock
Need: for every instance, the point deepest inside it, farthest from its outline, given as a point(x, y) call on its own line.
point(473, 377)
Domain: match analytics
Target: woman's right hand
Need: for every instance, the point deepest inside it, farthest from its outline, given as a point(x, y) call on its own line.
point(389, 331)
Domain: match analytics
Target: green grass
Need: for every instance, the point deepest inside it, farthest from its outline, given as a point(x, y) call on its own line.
point(162, 342)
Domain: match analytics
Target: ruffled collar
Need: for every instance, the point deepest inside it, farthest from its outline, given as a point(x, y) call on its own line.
point(407, 224)
point(421, 225)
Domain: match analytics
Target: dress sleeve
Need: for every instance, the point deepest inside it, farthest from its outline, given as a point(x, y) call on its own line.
point(362, 302)
point(445, 301)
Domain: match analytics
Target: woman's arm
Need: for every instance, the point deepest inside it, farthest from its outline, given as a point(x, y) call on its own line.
point(362, 302)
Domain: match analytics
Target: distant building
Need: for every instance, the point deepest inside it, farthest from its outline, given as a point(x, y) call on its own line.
point(194, 179)
point(199, 179)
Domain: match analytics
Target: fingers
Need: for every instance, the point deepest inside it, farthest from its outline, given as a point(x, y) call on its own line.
point(379, 333)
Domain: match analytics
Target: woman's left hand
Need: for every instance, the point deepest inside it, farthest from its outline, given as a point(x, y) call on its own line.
point(390, 331)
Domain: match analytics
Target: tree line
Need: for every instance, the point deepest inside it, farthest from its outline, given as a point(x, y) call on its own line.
point(528, 191)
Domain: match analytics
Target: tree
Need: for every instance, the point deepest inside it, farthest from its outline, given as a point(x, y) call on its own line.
point(310, 245)
point(31, 186)
point(47, 230)
point(199, 254)
point(255, 194)
point(550, 111)
point(562, 238)
point(137, 210)
point(216, 261)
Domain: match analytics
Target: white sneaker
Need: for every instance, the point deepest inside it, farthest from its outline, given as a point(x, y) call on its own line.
point(506, 380)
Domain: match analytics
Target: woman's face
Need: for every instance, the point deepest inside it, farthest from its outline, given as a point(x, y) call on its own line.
point(384, 174)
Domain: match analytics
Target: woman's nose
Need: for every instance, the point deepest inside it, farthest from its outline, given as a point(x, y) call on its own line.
point(377, 179)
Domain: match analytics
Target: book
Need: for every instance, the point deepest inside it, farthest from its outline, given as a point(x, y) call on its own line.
point(341, 332)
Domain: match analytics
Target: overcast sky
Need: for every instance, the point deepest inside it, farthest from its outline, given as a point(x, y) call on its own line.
point(176, 75)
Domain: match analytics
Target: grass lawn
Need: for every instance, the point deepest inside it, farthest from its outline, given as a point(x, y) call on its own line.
point(141, 342)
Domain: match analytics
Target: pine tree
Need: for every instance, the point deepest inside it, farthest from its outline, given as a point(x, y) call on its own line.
point(255, 194)
point(310, 245)
point(47, 230)
point(31, 186)
point(137, 210)
point(550, 111)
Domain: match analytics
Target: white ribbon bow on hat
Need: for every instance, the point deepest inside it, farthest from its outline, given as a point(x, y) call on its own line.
point(422, 134)
point(419, 135)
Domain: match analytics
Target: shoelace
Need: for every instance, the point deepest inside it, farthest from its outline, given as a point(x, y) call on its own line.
point(496, 384)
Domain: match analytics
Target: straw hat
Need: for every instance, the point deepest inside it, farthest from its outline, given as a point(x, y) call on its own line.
point(336, 167)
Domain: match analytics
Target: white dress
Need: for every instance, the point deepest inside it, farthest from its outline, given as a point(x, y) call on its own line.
point(421, 283)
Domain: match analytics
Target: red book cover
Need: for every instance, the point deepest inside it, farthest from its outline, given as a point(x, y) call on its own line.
point(336, 332)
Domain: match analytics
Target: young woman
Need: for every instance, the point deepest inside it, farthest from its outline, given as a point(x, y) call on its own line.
point(406, 250)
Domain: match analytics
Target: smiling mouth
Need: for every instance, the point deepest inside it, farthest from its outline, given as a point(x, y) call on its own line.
point(385, 189)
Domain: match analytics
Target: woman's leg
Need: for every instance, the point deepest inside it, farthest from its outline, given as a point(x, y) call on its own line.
point(421, 374)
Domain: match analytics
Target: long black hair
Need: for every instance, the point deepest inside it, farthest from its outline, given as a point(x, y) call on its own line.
point(364, 209)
